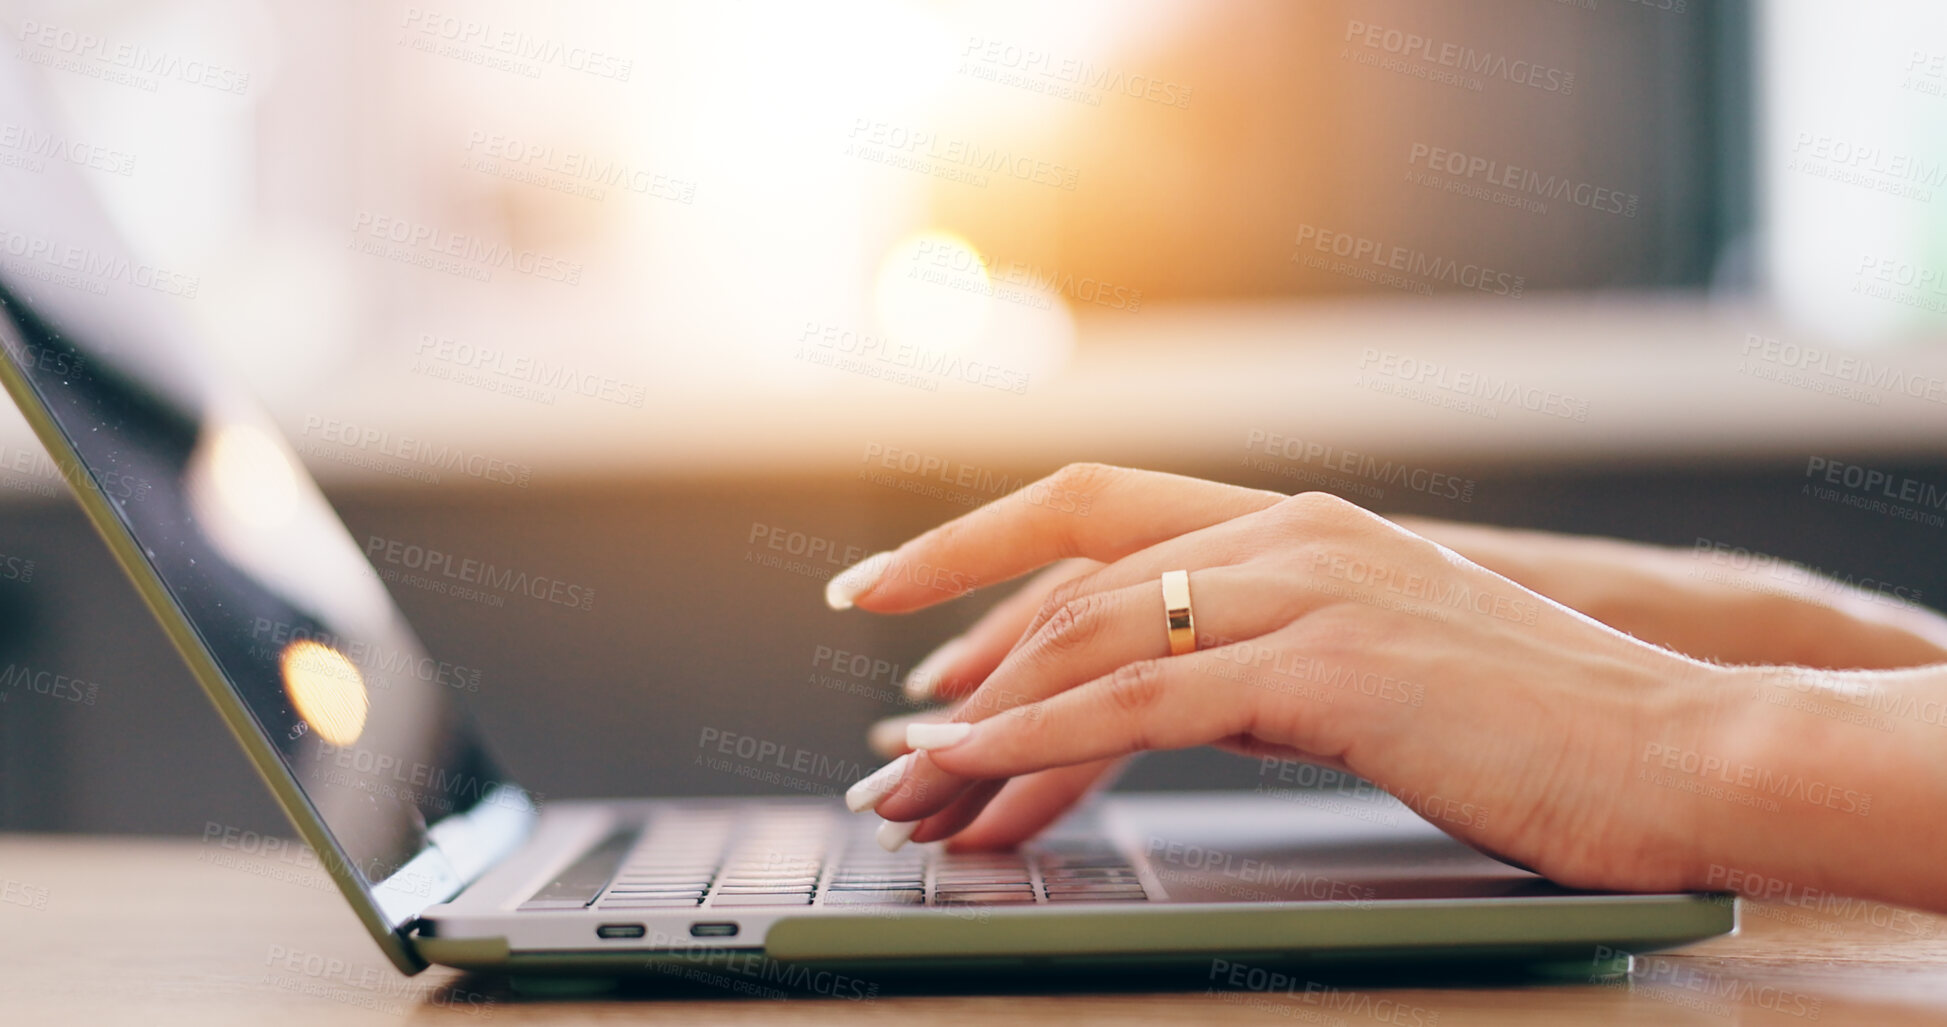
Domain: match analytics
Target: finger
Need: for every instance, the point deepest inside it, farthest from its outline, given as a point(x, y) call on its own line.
point(965, 660)
point(1098, 633)
point(1093, 636)
point(1028, 805)
point(958, 813)
point(1091, 510)
point(888, 737)
point(1152, 704)
point(1312, 516)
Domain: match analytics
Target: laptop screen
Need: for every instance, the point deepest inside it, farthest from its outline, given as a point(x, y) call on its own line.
point(357, 729)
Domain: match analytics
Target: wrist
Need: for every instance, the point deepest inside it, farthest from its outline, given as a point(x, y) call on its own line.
point(1787, 781)
point(1733, 733)
point(1699, 723)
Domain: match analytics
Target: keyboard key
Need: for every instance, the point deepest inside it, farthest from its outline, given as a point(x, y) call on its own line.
point(774, 899)
point(1070, 853)
point(896, 897)
point(981, 898)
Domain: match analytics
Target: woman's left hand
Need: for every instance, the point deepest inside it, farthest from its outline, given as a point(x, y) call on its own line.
point(1021, 807)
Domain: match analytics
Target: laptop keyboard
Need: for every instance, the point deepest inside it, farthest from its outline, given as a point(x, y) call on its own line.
point(798, 856)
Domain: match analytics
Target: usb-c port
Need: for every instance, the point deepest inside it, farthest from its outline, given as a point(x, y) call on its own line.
point(621, 931)
point(721, 929)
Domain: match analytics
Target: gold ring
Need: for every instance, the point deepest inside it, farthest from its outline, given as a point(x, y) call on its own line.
point(1176, 612)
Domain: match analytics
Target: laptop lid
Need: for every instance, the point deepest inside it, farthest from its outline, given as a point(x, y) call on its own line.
point(280, 617)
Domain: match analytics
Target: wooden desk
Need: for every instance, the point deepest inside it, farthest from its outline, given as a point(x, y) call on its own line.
point(159, 932)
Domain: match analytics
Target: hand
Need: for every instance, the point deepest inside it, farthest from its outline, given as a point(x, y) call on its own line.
point(1331, 635)
point(1025, 805)
point(1706, 601)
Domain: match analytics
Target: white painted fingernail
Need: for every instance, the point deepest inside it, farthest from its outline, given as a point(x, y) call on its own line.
point(937, 736)
point(869, 793)
point(925, 678)
point(853, 581)
point(888, 737)
point(892, 834)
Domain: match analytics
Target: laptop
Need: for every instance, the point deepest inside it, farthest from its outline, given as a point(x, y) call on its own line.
point(446, 859)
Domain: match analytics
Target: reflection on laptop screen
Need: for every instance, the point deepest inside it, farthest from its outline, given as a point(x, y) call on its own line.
point(248, 567)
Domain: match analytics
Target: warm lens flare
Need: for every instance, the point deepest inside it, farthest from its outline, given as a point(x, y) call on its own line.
point(327, 690)
point(253, 477)
point(933, 292)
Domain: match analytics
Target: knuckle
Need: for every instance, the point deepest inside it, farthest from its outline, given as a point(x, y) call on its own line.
point(1078, 485)
point(1084, 478)
point(1073, 625)
point(1058, 599)
point(1023, 719)
point(1314, 526)
point(1320, 508)
point(1135, 687)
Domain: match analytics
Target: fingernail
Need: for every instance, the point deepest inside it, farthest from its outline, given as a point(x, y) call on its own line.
point(852, 582)
point(893, 834)
point(888, 737)
point(937, 736)
point(869, 793)
point(925, 678)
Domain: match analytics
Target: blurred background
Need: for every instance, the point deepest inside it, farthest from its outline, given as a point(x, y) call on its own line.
point(688, 306)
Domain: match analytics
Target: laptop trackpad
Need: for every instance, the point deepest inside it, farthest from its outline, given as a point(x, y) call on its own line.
point(1247, 847)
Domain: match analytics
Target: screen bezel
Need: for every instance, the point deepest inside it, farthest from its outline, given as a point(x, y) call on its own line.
point(388, 914)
